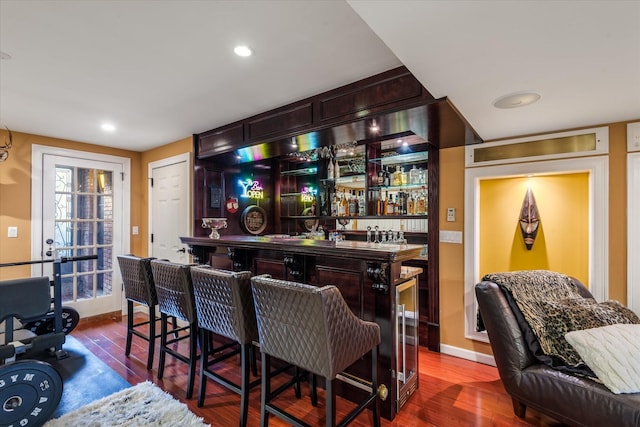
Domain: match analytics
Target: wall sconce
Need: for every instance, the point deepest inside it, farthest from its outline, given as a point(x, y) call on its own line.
point(529, 219)
point(4, 149)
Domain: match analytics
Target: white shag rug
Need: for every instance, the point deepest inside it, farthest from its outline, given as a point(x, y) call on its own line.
point(144, 404)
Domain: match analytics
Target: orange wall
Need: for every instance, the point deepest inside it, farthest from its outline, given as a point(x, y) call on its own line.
point(451, 192)
point(15, 193)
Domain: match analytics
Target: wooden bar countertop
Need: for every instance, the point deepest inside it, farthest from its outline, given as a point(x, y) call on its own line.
point(343, 249)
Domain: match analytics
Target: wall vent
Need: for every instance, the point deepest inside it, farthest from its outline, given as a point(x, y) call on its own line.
point(586, 142)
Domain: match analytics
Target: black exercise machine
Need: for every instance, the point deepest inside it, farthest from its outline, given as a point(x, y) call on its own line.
point(30, 390)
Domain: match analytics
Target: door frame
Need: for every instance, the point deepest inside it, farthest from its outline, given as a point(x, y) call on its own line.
point(122, 240)
point(179, 158)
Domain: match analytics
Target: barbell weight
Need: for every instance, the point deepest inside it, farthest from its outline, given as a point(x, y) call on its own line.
point(70, 319)
point(30, 391)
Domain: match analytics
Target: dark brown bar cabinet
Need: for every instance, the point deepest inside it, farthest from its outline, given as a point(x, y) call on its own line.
point(371, 278)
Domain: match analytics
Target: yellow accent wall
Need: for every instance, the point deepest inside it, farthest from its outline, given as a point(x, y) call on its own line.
point(562, 242)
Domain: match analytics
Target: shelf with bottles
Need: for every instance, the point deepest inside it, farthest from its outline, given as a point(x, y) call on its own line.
point(400, 203)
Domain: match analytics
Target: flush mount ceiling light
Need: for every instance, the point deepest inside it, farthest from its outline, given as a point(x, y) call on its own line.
point(243, 51)
point(515, 100)
point(108, 127)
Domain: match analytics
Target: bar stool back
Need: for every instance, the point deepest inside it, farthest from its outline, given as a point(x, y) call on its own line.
point(139, 288)
point(175, 298)
point(313, 328)
point(224, 305)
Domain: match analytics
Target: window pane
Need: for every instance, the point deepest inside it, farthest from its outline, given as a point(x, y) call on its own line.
point(103, 285)
point(105, 182)
point(63, 234)
point(105, 233)
point(86, 179)
point(105, 207)
point(67, 289)
point(85, 206)
point(85, 234)
point(85, 286)
point(86, 266)
point(64, 206)
point(104, 258)
point(64, 179)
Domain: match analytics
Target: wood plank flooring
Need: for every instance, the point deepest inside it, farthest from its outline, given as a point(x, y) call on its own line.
point(451, 391)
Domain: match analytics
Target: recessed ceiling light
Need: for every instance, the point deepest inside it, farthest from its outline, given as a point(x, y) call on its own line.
point(108, 127)
point(243, 51)
point(515, 100)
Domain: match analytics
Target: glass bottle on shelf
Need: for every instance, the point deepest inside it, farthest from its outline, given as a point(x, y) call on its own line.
point(397, 176)
point(385, 204)
point(381, 177)
point(421, 202)
point(404, 178)
point(343, 210)
point(411, 205)
point(330, 170)
point(362, 210)
point(335, 203)
point(353, 204)
point(414, 175)
point(336, 168)
point(387, 177)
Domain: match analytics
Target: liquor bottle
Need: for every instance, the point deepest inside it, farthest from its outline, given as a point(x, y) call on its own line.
point(330, 170)
point(353, 204)
point(411, 207)
point(397, 176)
point(387, 177)
point(385, 204)
point(380, 204)
point(335, 202)
point(404, 178)
point(362, 208)
point(421, 202)
point(336, 169)
point(414, 175)
point(380, 177)
point(344, 206)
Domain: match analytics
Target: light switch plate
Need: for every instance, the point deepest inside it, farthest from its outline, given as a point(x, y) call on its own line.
point(451, 214)
point(135, 230)
point(450, 236)
point(633, 137)
point(12, 232)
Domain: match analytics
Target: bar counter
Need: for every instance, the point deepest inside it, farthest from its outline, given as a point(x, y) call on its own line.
point(366, 274)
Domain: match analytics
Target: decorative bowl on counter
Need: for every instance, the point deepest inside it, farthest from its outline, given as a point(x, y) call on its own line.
point(214, 224)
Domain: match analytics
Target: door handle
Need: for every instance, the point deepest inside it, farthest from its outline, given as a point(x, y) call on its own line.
point(181, 250)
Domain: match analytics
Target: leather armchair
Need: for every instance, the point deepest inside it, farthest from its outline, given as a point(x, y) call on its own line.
point(574, 400)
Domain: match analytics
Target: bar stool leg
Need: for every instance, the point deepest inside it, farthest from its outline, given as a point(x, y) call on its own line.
point(265, 398)
point(152, 336)
point(331, 403)
point(193, 358)
point(163, 344)
point(205, 337)
point(127, 349)
point(245, 355)
point(374, 385)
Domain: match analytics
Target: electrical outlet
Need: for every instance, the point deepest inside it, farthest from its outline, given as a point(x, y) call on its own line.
point(451, 214)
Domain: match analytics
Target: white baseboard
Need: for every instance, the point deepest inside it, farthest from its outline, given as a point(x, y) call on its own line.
point(467, 354)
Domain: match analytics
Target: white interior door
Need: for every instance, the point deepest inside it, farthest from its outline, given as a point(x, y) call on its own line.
point(82, 213)
point(170, 207)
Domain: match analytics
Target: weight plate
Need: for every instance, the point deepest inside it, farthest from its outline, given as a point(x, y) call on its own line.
point(30, 392)
point(70, 319)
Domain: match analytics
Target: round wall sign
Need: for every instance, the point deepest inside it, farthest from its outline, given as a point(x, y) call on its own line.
point(254, 220)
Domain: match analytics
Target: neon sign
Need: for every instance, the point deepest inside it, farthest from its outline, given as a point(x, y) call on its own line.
point(308, 194)
point(251, 189)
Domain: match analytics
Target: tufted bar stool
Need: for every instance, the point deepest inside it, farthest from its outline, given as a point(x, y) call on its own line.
point(175, 298)
point(312, 328)
point(224, 305)
point(139, 288)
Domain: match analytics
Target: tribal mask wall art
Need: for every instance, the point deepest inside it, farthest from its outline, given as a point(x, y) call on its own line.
point(529, 219)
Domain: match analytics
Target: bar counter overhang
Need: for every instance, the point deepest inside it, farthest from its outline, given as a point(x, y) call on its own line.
point(367, 274)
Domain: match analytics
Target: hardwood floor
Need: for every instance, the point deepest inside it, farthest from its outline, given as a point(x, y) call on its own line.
point(451, 391)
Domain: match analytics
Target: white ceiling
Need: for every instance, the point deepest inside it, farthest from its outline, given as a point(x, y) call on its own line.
point(163, 70)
